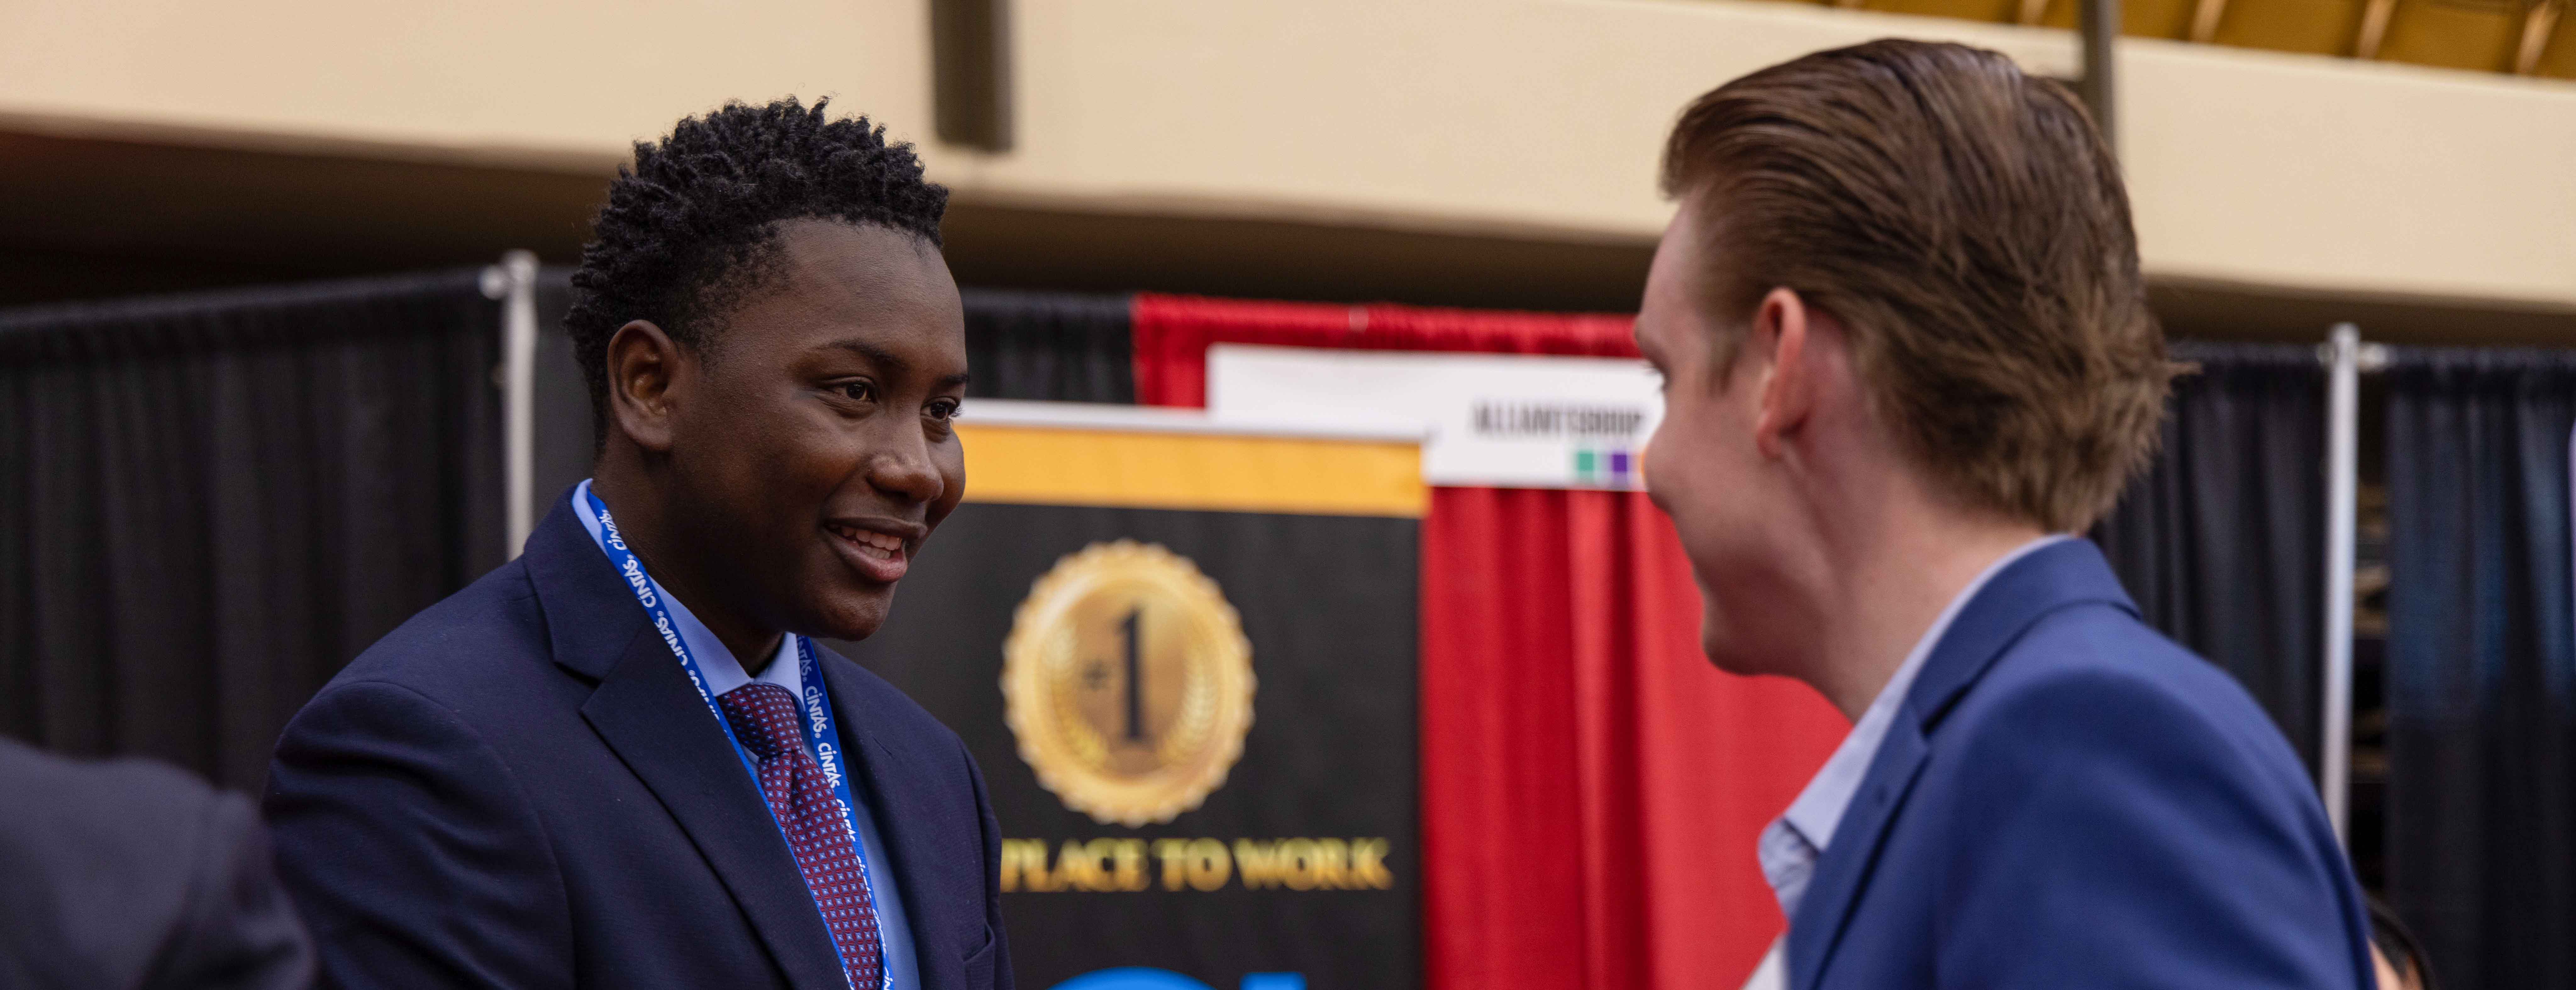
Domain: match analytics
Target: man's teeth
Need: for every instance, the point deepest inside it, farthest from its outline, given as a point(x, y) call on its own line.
point(872, 543)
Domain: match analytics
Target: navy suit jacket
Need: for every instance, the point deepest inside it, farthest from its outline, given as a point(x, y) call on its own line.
point(135, 875)
point(2068, 799)
point(520, 788)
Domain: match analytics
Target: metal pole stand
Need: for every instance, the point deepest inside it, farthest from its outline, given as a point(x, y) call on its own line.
point(514, 282)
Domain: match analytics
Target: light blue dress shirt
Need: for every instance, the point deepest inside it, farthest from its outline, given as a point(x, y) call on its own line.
point(723, 673)
point(1791, 845)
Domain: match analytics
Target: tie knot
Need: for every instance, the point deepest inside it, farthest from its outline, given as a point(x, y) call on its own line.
point(763, 717)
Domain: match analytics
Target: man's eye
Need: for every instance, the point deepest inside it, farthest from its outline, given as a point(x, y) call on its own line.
point(859, 391)
point(944, 410)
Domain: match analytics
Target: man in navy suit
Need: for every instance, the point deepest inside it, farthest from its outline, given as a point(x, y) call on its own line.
point(618, 761)
point(1906, 350)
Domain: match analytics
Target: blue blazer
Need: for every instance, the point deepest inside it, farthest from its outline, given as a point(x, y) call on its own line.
point(520, 788)
point(2068, 799)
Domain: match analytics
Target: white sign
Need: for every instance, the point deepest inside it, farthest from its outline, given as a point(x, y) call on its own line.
point(1501, 420)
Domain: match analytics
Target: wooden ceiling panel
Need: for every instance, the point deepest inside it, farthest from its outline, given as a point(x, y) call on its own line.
point(2475, 35)
point(2316, 27)
point(2478, 35)
point(1973, 10)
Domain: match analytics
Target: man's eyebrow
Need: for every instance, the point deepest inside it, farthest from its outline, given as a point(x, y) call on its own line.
point(891, 364)
point(878, 356)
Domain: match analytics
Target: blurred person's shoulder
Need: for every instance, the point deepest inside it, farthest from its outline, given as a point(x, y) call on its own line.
point(135, 873)
point(63, 809)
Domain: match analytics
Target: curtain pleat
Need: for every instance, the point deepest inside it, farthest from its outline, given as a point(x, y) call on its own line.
point(218, 500)
point(1048, 346)
point(2222, 540)
point(2481, 675)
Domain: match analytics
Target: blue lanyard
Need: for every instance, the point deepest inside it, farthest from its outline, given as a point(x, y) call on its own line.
point(817, 723)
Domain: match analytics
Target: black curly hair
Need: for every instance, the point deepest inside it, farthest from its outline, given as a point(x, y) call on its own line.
point(693, 226)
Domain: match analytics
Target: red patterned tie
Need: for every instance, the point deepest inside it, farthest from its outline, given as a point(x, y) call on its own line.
point(764, 718)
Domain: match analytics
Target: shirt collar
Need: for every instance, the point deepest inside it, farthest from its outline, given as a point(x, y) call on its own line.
point(716, 663)
point(1819, 808)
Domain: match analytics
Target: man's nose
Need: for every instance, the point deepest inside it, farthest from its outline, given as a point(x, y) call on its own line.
point(904, 468)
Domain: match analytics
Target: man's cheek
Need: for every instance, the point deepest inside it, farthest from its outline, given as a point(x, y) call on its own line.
point(1651, 465)
point(1666, 461)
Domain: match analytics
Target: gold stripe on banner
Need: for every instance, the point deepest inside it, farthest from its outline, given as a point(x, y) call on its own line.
point(1219, 472)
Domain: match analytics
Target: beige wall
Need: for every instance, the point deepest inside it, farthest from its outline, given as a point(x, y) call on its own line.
point(1538, 118)
point(2299, 171)
point(558, 80)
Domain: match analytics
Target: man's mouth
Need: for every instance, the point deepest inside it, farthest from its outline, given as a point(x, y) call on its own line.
point(880, 556)
point(881, 546)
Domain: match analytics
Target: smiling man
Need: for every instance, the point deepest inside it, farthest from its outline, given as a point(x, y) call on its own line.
point(1907, 354)
point(619, 761)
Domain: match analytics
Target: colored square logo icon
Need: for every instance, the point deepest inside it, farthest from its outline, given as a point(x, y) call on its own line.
point(1615, 468)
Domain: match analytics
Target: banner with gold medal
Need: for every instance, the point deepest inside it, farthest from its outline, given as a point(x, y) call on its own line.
point(1184, 655)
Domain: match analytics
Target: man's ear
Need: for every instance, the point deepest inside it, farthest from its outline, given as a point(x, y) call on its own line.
point(643, 374)
point(1788, 387)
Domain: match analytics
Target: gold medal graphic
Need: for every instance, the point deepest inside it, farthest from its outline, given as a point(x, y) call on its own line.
point(1128, 681)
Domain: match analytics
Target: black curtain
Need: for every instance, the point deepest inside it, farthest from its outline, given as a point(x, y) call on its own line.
point(2222, 540)
point(214, 501)
point(2481, 677)
point(1049, 346)
point(565, 441)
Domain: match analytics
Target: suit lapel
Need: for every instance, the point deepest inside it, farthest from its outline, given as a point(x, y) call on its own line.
point(646, 710)
point(1846, 865)
point(883, 764)
point(2070, 572)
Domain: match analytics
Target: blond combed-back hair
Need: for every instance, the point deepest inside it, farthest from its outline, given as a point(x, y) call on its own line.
point(1968, 226)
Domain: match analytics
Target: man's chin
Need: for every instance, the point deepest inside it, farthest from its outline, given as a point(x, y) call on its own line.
point(1729, 652)
point(852, 616)
point(1731, 661)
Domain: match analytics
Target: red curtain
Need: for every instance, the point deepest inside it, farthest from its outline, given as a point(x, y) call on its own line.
point(1591, 787)
point(1172, 334)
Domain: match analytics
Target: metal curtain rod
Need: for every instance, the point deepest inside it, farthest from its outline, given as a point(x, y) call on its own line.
point(2345, 358)
point(2099, 28)
point(514, 282)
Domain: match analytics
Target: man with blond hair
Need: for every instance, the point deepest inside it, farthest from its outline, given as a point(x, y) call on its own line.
point(1906, 353)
